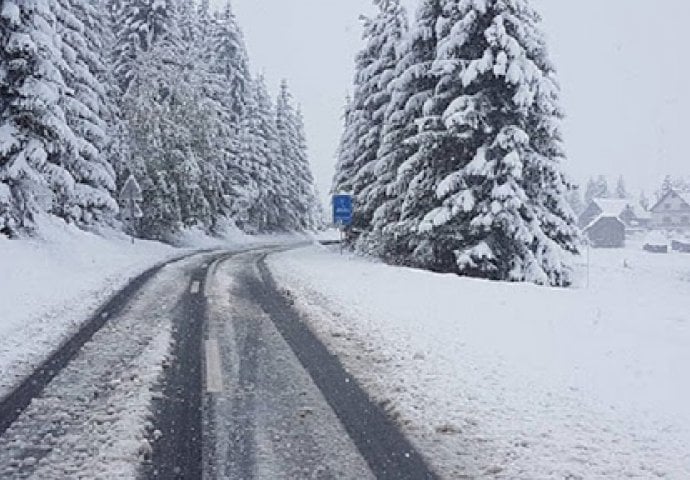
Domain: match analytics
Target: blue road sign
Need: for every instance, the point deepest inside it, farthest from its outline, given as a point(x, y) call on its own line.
point(342, 210)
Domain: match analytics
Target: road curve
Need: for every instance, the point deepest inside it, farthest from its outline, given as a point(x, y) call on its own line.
point(200, 369)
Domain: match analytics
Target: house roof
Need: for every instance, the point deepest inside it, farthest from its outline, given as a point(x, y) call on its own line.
point(616, 207)
point(602, 217)
point(685, 196)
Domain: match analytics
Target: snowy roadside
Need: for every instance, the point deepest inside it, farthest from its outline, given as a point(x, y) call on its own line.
point(50, 285)
point(94, 418)
point(516, 381)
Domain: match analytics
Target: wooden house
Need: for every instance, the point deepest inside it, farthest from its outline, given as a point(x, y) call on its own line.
point(633, 216)
point(672, 212)
point(606, 231)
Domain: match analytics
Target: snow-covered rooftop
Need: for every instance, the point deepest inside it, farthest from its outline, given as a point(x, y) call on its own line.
point(685, 196)
point(602, 216)
point(614, 207)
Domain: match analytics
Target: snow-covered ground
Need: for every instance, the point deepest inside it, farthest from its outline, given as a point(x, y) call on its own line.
point(512, 381)
point(94, 419)
point(51, 284)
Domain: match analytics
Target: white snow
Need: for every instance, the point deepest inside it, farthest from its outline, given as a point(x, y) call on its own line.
point(495, 380)
point(656, 238)
point(50, 285)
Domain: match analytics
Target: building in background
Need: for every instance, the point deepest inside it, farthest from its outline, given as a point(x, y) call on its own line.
point(606, 231)
point(672, 212)
point(633, 216)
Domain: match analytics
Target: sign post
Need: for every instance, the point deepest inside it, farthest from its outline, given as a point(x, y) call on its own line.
point(342, 214)
point(130, 196)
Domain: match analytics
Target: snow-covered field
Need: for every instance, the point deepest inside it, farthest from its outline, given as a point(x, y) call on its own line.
point(510, 381)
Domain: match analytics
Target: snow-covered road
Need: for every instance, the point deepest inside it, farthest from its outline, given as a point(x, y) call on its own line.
point(498, 380)
point(137, 400)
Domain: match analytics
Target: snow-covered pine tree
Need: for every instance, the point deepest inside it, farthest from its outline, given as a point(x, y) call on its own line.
point(244, 171)
point(590, 191)
point(345, 155)
point(621, 190)
point(374, 70)
point(265, 212)
point(204, 19)
point(597, 188)
point(162, 217)
point(157, 98)
point(299, 182)
point(231, 61)
point(602, 187)
point(284, 126)
point(35, 138)
point(501, 198)
point(85, 105)
point(140, 25)
point(204, 113)
point(575, 201)
point(306, 184)
point(229, 85)
point(666, 187)
point(644, 201)
point(98, 17)
point(400, 161)
point(194, 208)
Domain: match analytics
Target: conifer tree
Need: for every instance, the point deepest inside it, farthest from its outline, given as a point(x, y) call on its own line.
point(141, 25)
point(267, 171)
point(502, 211)
point(231, 61)
point(175, 106)
point(399, 161)
point(299, 182)
point(375, 66)
point(229, 86)
point(162, 216)
point(86, 110)
point(35, 138)
point(621, 191)
point(644, 201)
point(345, 155)
point(596, 188)
point(575, 201)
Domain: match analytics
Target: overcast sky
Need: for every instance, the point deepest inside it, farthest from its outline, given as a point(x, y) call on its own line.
point(623, 67)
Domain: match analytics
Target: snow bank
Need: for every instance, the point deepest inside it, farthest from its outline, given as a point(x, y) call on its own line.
point(51, 284)
point(657, 239)
point(499, 380)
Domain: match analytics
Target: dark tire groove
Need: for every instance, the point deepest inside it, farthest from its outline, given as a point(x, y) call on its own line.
point(178, 453)
point(242, 447)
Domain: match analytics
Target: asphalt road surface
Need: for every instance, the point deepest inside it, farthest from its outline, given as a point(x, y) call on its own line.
point(248, 392)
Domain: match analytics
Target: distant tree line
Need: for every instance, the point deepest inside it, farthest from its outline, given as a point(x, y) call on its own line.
point(94, 91)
